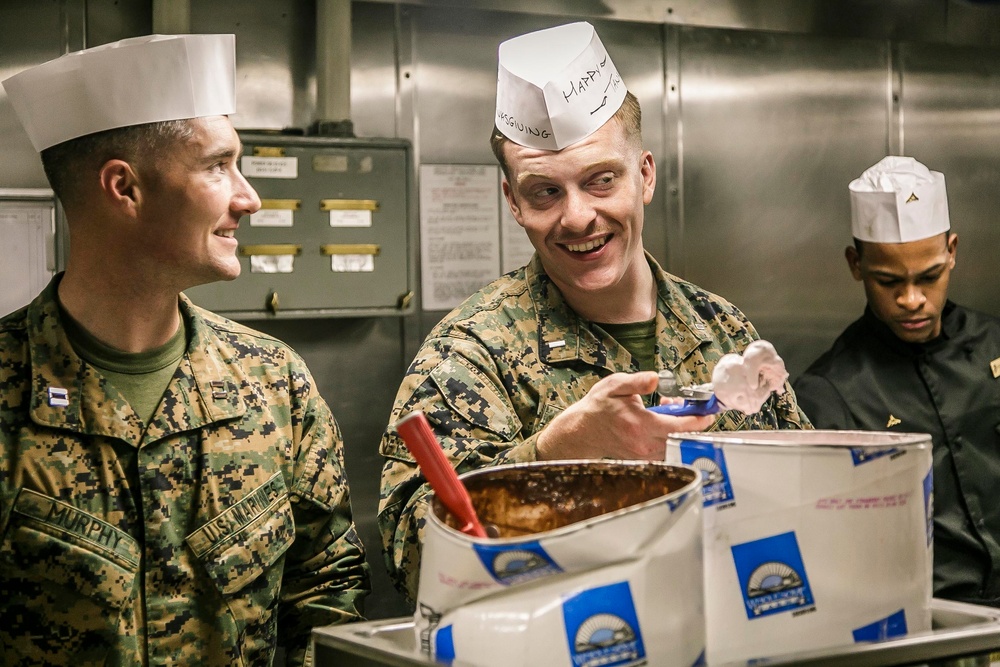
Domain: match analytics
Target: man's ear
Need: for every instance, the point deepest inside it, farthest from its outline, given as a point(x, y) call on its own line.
point(508, 194)
point(648, 170)
point(952, 250)
point(853, 261)
point(120, 186)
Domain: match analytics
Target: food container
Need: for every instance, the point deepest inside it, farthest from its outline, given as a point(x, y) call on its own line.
point(813, 539)
point(596, 563)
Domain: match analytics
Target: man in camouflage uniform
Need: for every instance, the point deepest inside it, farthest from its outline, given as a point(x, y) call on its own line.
point(172, 485)
point(556, 360)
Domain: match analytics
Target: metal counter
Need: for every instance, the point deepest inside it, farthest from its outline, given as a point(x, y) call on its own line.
point(962, 634)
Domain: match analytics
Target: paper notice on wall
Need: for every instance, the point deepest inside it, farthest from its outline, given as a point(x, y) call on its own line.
point(26, 231)
point(459, 232)
point(272, 263)
point(352, 263)
point(254, 166)
point(268, 217)
point(515, 248)
point(351, 218)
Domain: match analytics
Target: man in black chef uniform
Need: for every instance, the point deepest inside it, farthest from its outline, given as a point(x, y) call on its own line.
point(917, 362)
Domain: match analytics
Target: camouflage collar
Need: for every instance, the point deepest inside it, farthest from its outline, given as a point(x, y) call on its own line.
point(68, 393)
point(564, 337)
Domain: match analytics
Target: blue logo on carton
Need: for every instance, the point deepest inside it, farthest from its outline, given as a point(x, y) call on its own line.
point(444, 645)
point(711, 461)
point(602, 628)
point(893, 625)
point(929, 504)
point(515, 564)
point(862, 455)
point(772, 575)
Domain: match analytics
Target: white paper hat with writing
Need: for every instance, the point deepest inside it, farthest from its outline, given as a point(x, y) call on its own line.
point(556, 86)
point(130, 82)
point(898, 200)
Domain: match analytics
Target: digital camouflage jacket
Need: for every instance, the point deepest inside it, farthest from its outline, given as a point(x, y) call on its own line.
point(208, 537)
point(499, 367)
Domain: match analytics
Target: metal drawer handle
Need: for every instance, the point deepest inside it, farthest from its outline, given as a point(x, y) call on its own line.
point(348, 205)
point(271, 249)
point(351, 249)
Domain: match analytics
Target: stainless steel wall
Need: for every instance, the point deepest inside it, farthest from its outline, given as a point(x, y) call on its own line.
point(758, 114)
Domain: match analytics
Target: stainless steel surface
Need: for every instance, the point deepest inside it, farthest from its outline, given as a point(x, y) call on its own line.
point(952, 21)
point(951, 111)
point(774, 127)
point(959, 631)
point(333, 60)
point(30, 33)
point(275, 58)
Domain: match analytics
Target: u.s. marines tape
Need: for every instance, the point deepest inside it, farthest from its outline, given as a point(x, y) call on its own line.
point(597, 563)
point(813, 539)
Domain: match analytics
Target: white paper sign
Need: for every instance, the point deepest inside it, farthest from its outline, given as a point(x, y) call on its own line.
point(272, 218)
point(352, 218)
point(352, 263)
point(459, 232)
point(25, 234)
point(272, 263)
point(269, 167)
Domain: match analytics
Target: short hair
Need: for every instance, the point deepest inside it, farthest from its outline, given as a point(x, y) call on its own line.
point(629, 115)
point(71, 164)
point(858, 243)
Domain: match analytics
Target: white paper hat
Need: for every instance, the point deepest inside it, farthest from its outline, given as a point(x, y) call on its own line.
point(556, 86)
point(134, 81)
point(898, 200)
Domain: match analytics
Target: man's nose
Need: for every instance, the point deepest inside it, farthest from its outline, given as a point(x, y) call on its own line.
point(911, 298)
point(245, 198)
point(579, 210)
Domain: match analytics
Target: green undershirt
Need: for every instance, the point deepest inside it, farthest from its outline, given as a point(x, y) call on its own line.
point(639, 338)
point(141, 377)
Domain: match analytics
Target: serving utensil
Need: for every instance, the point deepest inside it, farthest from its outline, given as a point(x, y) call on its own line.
point(416, 433)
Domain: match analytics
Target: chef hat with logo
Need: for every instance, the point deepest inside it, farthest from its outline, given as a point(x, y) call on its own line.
point(134, 81)
point(898, 200)
point(556, 86)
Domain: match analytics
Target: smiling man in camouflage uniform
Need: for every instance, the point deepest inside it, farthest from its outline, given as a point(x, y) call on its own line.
point(172, 488)
point(556, 360)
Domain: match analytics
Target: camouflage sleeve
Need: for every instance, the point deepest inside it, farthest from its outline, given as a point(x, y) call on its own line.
point(455, 383)
point(326, 577)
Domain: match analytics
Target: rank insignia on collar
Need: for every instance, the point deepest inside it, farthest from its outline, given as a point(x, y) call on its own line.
point(58, 397)
point(995, 367)
point(218, 389)
point(912, 197)
point(893, 422)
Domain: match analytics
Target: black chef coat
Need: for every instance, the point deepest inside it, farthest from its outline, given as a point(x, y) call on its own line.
point(871, 380)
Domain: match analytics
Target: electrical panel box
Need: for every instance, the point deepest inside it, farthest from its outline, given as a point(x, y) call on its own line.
point(335, 234)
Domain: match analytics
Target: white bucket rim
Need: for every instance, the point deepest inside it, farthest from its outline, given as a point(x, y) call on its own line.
point(690, 489)
point(806, 439)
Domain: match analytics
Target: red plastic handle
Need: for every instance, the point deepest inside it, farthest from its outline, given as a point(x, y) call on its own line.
point(419, 438)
